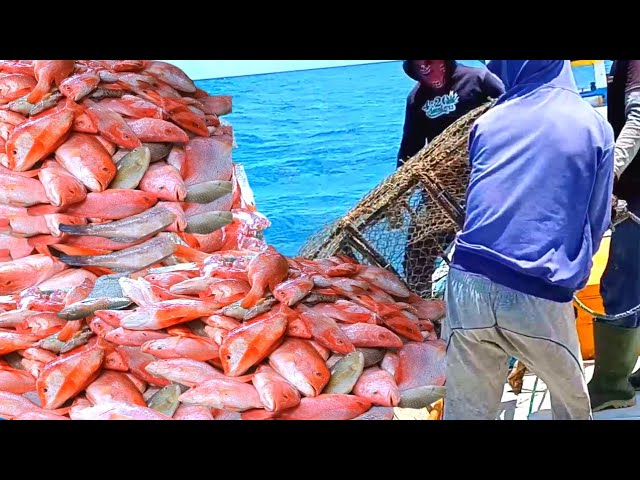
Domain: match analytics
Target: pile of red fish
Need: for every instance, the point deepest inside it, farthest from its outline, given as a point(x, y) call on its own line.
point(177, 310)
point(238, 335)
point(131, 144)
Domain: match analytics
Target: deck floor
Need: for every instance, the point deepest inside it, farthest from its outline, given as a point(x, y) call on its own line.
point(517, 407)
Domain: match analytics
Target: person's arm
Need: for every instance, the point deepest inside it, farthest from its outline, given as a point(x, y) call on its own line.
point(412, 138)
point(628, 143)
point(492, 86)
point(600, 204)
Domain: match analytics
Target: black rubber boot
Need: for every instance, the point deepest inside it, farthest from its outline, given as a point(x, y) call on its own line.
point(616, 353)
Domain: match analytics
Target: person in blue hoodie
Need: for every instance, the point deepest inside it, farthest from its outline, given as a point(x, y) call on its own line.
point(538, 205)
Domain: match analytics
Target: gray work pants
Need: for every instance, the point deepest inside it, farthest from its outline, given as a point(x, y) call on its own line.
point(486, 324)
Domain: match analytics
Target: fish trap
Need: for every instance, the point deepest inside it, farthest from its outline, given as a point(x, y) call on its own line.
point(408, 223)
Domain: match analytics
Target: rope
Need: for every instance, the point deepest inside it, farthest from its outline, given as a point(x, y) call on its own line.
point(622, 215)
point(603, 316)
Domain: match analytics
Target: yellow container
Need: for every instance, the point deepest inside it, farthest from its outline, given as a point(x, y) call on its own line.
point(590, 296)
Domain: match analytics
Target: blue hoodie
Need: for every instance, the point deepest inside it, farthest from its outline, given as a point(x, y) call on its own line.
point(539, 196)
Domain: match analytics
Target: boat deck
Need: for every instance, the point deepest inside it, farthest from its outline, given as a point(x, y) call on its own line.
point(517, 407)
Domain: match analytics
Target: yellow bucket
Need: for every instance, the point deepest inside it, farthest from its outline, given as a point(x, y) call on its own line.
point(590, 296)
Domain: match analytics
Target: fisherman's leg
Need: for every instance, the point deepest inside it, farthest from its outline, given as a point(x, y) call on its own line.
point(617, 342)
point(543, 335)
point(476, 366)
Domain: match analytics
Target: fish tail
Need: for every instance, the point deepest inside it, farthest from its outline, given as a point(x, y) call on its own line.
point(73, 229)
point(79, 251)
point(38, 93)
point(73, 260)
point(69, 330)
point(253, 297)
point(190, 254)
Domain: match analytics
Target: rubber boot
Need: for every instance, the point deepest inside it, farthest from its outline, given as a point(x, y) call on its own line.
point(635, 377)
point(615, 358)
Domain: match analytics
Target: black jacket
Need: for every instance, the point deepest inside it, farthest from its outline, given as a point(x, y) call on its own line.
point(428, 115)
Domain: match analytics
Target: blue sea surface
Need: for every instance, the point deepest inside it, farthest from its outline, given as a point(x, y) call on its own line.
point(314, 142)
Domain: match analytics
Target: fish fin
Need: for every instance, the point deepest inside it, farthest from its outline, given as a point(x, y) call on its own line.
point(38, 93)
point(30, 173)
point(44, 250)
point(73, 260)
point(190, 254)
point(253, 297)
point(79, 251)
point(42, 209)
point(98, 271)
point(69, 330)
point(43, 240)
point(73, 229)
point(60, 411)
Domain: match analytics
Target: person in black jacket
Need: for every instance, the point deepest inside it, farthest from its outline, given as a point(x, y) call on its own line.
point(445, 92)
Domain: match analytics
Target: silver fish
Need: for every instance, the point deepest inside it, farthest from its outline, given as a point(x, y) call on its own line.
point(377, 413)
point(15, 360)
point(166, 399)
point(99, 93)
point(88, 306)
point(207, 192)
point(333, 359)
point(209, 222)
point(131, 229)
point(263, 307)
point(314, 298)
point(46, 103)
point(51, 343)
point(79, 339)
point(235, 311)
point(372, 356)
point(421, 397)
point(21, 106)
point(198, 328)
point(158, 150)
point(131, 168)
point(130, 259)
point(345, 373)
point(150, 392)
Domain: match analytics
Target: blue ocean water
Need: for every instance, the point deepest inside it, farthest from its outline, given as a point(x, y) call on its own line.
point(313, 143)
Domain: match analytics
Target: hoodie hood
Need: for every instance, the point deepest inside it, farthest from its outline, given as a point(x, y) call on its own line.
point(523, 76)
point(409, 69)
